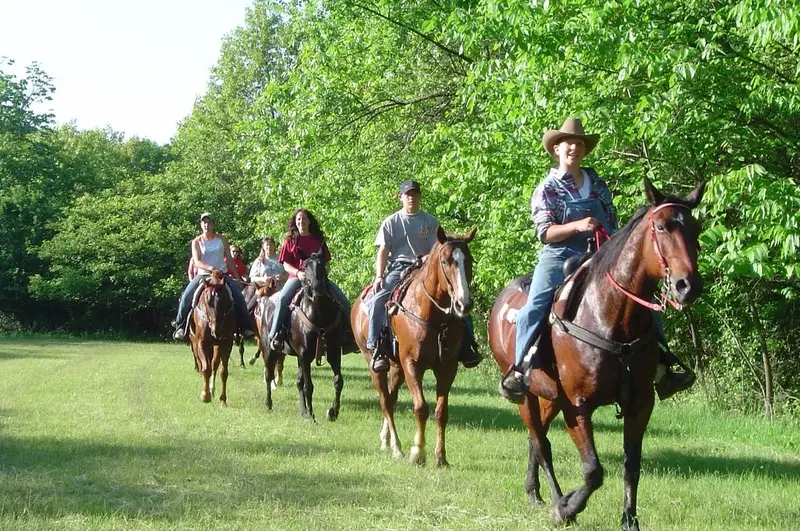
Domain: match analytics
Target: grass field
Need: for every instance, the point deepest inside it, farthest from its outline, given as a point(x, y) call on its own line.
point(112, 435)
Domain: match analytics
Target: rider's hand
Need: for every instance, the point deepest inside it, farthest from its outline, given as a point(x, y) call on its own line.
point(377, 284)
point(301, 275)
point(587, 224)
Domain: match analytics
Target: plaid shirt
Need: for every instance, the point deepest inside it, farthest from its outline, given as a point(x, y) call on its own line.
point(548, 201)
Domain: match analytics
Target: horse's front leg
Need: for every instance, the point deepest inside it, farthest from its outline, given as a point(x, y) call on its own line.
point(537, 414)
point(305, 387)
point(224, 356)
point(335, 361)
point(215, 359)
point(269, 373)
point(581, 431)
point(444, 381)
point(635, 426)
point(205, 374)
point(414, 376)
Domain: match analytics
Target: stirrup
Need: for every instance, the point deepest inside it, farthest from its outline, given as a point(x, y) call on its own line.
point(512, 386)
point(380, 363)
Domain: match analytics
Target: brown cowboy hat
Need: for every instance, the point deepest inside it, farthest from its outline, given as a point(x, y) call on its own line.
point(572, 127)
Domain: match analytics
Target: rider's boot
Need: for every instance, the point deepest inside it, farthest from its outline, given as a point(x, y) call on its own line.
point(669, 382)
point(470, 355)
point(513, 386)
point(380, 363)
point(277, 341)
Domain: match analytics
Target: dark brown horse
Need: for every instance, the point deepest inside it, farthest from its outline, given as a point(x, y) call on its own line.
point(429, 329)
point(211, 328)
point(602, 348)
point(315, 330)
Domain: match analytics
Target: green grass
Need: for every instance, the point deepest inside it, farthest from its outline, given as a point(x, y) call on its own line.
point(112, 435)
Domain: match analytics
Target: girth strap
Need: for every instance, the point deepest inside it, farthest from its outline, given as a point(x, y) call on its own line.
point(321, 332)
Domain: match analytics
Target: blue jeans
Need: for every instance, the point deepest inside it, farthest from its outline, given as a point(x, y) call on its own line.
point(287, 294)
point(547, 276)
point(185, 305)
point(377, 312)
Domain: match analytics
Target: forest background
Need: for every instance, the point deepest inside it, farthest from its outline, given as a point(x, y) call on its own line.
point(330, 104)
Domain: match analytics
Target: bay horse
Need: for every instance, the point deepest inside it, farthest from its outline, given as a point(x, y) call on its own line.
point(614, 357)
point(211, 327)
point(315, 330)
point(429, 329)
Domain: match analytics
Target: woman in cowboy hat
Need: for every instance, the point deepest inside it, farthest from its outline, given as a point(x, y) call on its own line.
point(567, 207)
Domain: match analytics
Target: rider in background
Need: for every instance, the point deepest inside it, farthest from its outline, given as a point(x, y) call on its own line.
point(304, 237)
point(267, 265)
point(211, 251)
point(238, 263)
point(567, 207)
point(402, 238)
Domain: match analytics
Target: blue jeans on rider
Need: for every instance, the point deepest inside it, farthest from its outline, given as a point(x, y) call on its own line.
point(377, 311)
point(547, 275)
point(288, 292)
point(185, 305)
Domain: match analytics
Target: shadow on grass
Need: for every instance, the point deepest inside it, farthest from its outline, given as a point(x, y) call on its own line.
point(671, 462)
point(53, 477)
point(28, 354)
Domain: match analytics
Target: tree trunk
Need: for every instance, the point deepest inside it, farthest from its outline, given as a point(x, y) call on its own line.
point(765, 357)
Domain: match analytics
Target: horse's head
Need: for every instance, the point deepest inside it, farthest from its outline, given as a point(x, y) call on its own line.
point(455, 269)
point(216, 302)
point(316, 278)
point(674, 233)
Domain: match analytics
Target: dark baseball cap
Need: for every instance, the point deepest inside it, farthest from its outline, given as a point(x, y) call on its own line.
point(408, 186)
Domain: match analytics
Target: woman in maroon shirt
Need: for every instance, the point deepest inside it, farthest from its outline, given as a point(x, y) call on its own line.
point(304, 237)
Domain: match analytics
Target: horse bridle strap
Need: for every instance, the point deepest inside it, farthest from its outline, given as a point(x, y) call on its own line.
point(665, 298)
point(450, 291)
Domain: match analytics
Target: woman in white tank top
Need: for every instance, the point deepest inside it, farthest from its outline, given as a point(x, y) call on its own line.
point(211, 251)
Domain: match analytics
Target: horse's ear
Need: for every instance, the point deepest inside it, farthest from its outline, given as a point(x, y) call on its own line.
point(440, 235)
point(696, 195)
point(468, 237)
point(653, 194)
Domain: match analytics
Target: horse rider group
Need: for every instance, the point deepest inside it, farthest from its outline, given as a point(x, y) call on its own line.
point(567, 208)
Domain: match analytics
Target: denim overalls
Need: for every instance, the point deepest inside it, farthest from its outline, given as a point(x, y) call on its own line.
point(548, 273)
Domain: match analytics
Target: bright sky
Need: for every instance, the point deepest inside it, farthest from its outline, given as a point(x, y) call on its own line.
point(136, 66)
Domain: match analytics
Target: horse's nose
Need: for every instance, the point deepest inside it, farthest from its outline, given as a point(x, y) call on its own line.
point(463, 307)
point(688, 289)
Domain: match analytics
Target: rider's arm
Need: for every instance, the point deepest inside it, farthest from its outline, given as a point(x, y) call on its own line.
point(557, 233)
point(380, 266)
point(199, 264)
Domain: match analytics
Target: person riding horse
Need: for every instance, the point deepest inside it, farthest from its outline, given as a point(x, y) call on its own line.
point(404, 236)
point(265, 267)
point(210, 252)
point(567, 207)
point(304, 238)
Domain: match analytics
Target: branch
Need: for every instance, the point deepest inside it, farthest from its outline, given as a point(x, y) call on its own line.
point(415, 32)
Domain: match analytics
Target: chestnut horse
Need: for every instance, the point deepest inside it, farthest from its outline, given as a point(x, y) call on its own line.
point(315, 330)
point(262, 314)
point(211, 328)
point(429, 329)
point(614, 357)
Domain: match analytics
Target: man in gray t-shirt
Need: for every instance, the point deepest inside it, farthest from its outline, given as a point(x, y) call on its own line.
point(404, 236)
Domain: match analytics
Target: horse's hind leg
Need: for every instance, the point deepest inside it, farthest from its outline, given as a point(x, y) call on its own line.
point(635, 426)
point(444, 381)
point(335, 361)
point(388, 385)
point(269, 374)
point(537, 414)
point(241, 352)
point(582, 433)
point(421, 411)
point(279, 369)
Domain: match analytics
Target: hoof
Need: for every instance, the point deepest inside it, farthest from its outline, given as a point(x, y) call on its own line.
point(397, 453)
point(557, 517)
point(252, 360)
point(630, 523)
point(442, 463)
point(332, 415)
point(205, 397)
point(417, 456)
point(223, 404)
point(534, 500)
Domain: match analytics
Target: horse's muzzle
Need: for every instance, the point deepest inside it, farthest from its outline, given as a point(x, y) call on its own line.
point(687, 289)
point(462, 308)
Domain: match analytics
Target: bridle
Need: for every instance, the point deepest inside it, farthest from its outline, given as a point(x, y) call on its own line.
point(664, 298)
point(450, 291)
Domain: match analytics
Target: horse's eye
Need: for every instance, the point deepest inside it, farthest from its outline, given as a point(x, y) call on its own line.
point(660, 228)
